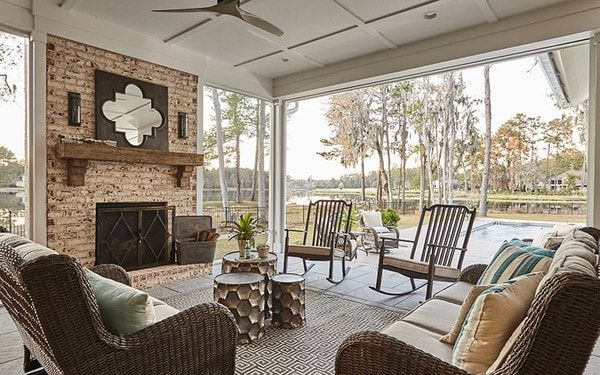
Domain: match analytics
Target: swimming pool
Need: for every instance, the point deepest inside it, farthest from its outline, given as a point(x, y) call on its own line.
point(501, 231)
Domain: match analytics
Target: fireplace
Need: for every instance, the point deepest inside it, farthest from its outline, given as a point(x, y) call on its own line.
point(134, 235)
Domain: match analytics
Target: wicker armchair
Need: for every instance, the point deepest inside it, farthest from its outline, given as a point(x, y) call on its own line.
point(567, 310)
point(58, 318)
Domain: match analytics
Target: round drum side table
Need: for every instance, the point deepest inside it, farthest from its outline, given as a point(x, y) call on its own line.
point(288, 300)
point(262, 266)
point(244, 295)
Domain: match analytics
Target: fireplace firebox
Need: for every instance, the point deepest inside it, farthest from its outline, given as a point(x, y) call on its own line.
point(134, 235)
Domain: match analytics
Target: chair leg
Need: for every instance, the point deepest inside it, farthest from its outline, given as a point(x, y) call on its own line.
point(305, 265)
point(429, 288)
point(30, 363)
point(412, 283)
point(344, 270)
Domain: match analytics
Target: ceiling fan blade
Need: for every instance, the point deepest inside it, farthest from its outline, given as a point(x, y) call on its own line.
point(214, 8)
point(259, 22)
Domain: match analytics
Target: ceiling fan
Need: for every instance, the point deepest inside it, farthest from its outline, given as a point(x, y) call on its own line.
point(232, 8)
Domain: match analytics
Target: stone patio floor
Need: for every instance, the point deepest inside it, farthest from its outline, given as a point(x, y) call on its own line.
point(355, 287)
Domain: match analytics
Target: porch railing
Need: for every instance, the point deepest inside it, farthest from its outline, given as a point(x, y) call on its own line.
point(14, 222)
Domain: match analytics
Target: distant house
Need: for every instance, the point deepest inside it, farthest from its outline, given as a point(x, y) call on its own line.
point(573, 178)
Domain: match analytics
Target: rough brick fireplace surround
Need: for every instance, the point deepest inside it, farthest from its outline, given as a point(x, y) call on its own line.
point(71, 215)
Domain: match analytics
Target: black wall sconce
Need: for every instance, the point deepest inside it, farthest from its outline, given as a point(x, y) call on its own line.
point(182, 125)
point(74, 108)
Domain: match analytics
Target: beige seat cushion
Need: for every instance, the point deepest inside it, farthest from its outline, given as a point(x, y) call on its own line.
point(455, 293)
point(421, 267)
point(434, 315)
point(313, 250)
point(162, 310)
point(494, 316)
point(452, 334)
point(420, 338)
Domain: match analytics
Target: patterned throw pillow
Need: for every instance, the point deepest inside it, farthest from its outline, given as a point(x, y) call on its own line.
point(494, 316)
point(515, 258)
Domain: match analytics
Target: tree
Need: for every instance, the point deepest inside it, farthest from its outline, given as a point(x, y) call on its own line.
point(219, 145)
point(487, 156)
point(10, 168)
point(558, 135)
point(240, 115)
point(401, 94)
point(348, 117)
point(11, 55)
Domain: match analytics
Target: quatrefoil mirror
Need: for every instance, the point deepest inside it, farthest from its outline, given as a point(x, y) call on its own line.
point(131, 112)
point(133, 115)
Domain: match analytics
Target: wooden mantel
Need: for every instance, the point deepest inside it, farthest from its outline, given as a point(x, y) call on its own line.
point(78, 155)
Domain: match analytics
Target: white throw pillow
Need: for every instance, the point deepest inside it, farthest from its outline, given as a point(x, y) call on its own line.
point(372, 219)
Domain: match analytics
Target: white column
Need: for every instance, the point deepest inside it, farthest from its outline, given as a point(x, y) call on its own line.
point(277, 185)
point(200, 149)
point(593, 189)
point(37, 137)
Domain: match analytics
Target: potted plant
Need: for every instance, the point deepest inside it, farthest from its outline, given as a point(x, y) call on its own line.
point(263, 250)
point(244, 231)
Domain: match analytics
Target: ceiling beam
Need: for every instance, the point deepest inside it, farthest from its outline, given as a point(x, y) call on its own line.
point(265, 37)
point(69, 4)
point(365, 27)
point(487, 11)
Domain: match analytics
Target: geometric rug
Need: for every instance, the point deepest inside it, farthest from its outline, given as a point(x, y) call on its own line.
point(310, 349)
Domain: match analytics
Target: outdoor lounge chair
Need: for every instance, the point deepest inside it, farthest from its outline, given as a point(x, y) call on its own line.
point(325, 236)
point(444, 228)
point(372, 222)
point(56, 313)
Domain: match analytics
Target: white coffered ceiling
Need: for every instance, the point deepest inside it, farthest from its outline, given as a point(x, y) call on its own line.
point(317, 32)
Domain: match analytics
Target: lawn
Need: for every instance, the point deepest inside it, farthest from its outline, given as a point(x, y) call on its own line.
point(296, 216)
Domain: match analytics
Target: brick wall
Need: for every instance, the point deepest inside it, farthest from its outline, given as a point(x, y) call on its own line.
point(72, 210)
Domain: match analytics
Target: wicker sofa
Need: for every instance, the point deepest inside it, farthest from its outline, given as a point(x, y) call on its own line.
point(558, 336)
point(50, 300)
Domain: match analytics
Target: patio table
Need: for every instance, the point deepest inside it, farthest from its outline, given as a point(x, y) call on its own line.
point(244, 295)
point(267, 267)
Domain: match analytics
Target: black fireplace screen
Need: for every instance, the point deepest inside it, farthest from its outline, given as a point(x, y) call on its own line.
point(134, 235)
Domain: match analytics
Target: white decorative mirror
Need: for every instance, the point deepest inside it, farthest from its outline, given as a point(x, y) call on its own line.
point(132, 114)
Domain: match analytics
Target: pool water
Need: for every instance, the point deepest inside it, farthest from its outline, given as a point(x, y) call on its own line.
point(504, 231)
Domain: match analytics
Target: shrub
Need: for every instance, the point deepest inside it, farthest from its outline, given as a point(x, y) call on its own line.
point(390, 217)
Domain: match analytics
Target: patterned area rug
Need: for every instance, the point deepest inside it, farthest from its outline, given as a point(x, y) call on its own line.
point(308, 350)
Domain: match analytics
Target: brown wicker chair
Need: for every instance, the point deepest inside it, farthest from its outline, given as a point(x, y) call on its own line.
point(54, 309)
point(559, 334)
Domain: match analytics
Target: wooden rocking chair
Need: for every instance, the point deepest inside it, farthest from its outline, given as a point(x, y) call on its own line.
point(444, 229)
point(325, 238)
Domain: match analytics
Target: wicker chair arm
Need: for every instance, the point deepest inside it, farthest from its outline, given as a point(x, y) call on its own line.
point(113, 272)
point(374, 353)
point(472, 273)
point(199, 340)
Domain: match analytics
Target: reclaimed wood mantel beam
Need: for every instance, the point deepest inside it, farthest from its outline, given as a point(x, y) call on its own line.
point(78, 154)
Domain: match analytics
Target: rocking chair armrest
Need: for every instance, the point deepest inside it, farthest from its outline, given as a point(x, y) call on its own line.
point(294, 230)
point(383, 239)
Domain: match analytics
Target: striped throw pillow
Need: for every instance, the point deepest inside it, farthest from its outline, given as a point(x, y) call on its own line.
point(515, 258)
